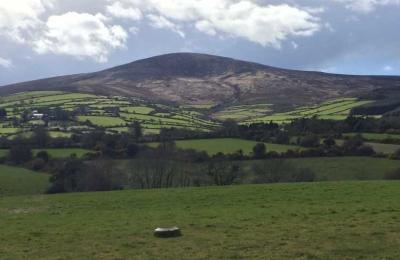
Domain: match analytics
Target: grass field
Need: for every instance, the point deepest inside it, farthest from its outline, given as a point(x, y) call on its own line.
point(378, 147)
point(18, 181)
point(345, 220)
point(374, 136)
point(227, 145)
point(65, 152)
point(338, 109)
point(384, 148)
point(241, 113)
point(103, 121)
point(3, 153)
point(56, 152)
point(346, 168)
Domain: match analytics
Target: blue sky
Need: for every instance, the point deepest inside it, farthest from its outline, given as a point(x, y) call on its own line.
point(43, 38)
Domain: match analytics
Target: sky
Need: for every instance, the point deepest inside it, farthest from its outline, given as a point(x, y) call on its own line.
point(45, 38)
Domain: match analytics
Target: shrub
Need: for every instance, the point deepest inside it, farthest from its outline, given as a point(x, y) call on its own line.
point(19, 154)
point(259, 151)
point(223, 174)
point(365, 150)
point(329, 142)
point(393, 175)
point(38, 164)
point(311, 140)
point(43, 155)
point(273, 171)
point(396, 155)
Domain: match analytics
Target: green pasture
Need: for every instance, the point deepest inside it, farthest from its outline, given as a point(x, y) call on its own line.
point(335, 220)
point(374, 136)
point(345, 168)
point(64, 152)
point(18, 181)
point(243, 112)
point(102, 121)
point(227, 145)
point(331, 110)
point(58, 134)
point(8, 131)
point(56, 152)
point(138, 110)
point(384, 148)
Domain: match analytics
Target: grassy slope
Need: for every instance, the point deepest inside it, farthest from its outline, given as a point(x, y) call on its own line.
point(347, 168)
point(374, 136)
point(379, 147)
point(18, 181)
point(384, 148)
point(285, 221)
point(227, 145)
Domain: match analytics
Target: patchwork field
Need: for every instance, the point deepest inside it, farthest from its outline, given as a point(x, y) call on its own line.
point(18, 181)
point(334, 110)
point(227, 145)
point(343, 220)
point(114, 114)
point(241, 113)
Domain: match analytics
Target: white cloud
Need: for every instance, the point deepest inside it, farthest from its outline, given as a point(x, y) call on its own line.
point(366, 6)
point(247, 19)
point(5, 63)
point(118, 10)
point(19, 19)
point(81, 35)
point(161, 22)
point(133, 30)
point(388, 68)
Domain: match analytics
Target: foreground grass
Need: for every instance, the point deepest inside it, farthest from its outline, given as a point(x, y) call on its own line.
point(321, 220)
point(18, 181)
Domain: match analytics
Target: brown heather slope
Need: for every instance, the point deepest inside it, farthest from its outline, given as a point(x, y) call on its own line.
point(188, 78)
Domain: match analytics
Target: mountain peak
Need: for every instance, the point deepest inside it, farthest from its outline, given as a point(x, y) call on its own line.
point(187, 64)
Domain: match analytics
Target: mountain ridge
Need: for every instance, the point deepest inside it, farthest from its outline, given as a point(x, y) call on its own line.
point(193, 78)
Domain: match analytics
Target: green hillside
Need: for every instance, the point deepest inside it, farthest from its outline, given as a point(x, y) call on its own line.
point(354, 220)
point(18, 181)
point(115, 113)
point(86, 111)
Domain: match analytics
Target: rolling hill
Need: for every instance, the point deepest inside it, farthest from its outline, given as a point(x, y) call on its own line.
point(199, 79)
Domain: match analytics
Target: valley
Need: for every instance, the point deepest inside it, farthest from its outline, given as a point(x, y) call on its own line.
point(250, 161)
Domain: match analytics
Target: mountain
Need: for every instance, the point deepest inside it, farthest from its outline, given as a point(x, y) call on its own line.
point(189, 78)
